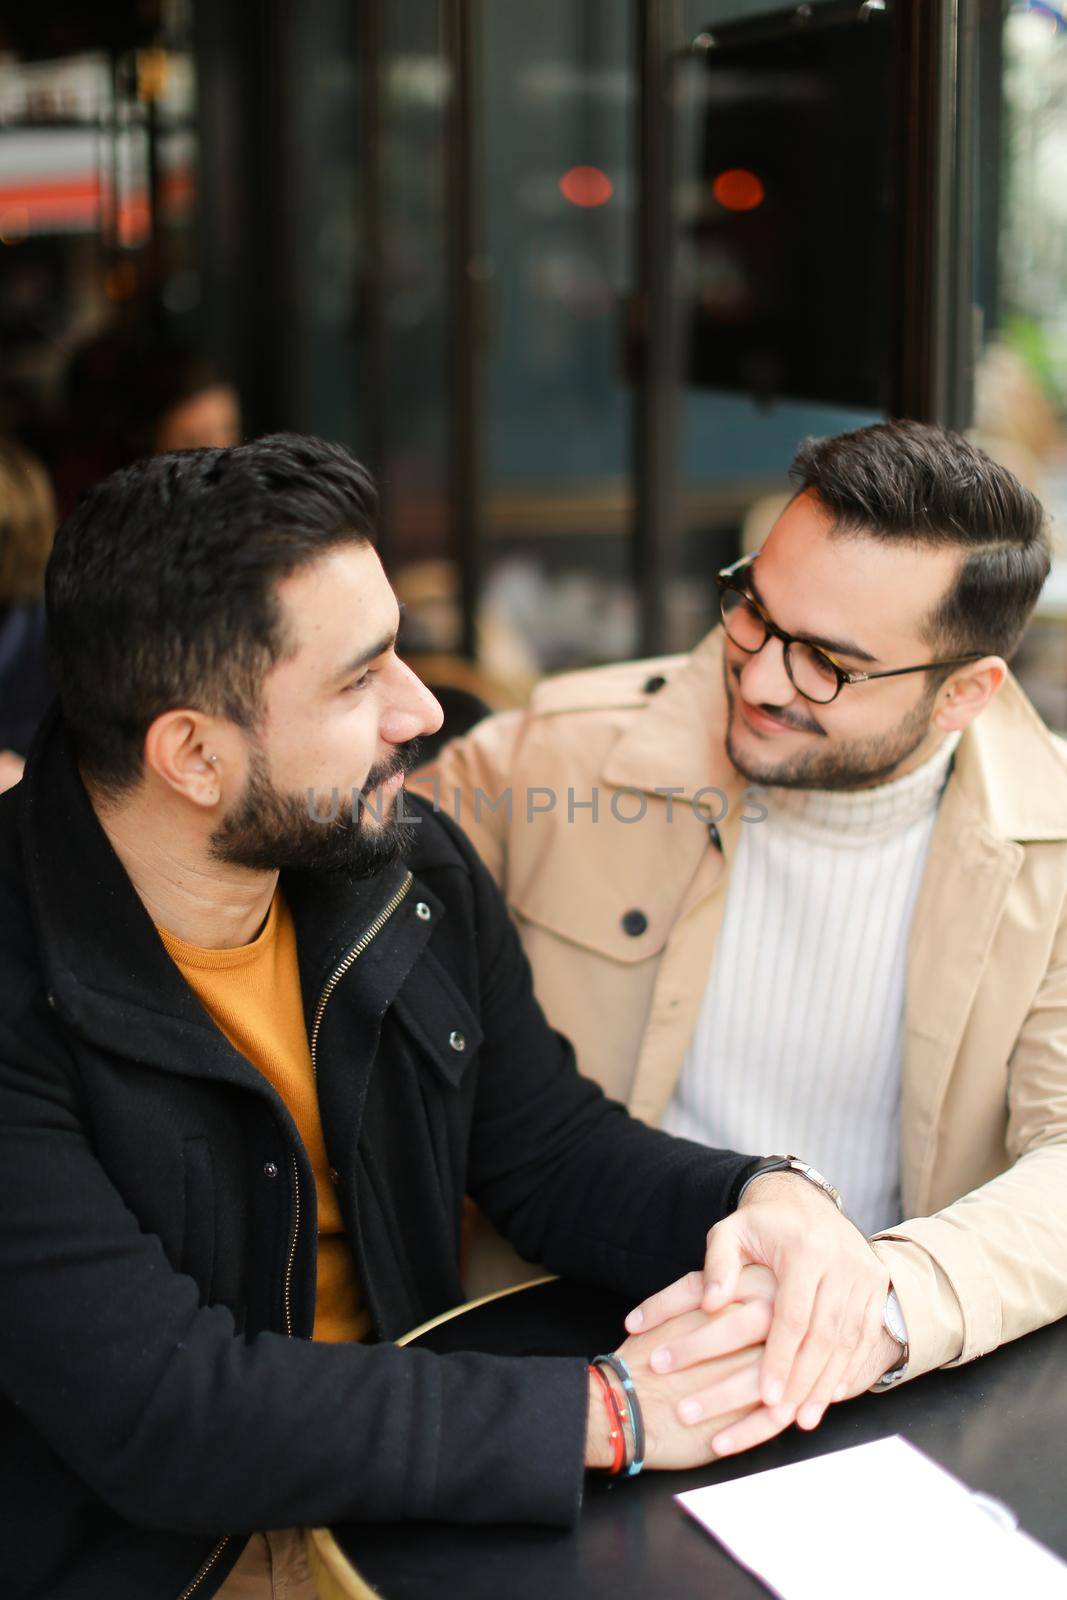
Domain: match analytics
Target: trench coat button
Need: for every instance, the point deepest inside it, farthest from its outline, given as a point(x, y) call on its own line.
point(50, 997)
point(269, 1169)
point(422, 911)
point(634, 923)
point(457, 1040)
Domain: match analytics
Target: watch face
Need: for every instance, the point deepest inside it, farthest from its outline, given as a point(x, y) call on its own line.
point(894, 1319)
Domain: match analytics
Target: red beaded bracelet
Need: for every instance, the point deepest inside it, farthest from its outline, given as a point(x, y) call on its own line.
point(617, 1435)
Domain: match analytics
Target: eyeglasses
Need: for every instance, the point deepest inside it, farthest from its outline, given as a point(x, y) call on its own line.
point(813, 672)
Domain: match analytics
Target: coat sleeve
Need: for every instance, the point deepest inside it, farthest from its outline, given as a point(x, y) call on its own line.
point(180, 1424)
point(993, 1265)
point(567, 1175)
point(469, 782)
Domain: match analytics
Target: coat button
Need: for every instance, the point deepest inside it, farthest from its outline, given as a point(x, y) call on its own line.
point(634, 923)
point(422, 911)
point(457, 1040)
point(335, 1176)
point(269, 1169)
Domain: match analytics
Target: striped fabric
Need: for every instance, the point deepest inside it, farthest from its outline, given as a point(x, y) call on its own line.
point(798, 1046)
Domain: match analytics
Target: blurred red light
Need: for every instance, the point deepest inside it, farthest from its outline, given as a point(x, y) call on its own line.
point(586, 186)
point(738, 190)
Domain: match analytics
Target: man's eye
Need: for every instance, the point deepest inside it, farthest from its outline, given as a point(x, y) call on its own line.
point(360, 682)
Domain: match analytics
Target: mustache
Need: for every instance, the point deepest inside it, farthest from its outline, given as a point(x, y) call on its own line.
point(788, 719)
point(402, 760)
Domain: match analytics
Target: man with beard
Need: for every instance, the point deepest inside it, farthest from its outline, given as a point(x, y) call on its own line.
point(805, 888)
point(259, 1036)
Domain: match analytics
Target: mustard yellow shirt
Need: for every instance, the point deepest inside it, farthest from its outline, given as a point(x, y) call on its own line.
point(253, 995)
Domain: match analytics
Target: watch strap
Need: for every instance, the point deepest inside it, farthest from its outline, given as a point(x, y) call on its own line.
point(791, 1164)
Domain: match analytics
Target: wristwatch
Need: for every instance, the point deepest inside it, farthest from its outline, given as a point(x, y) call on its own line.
point(894, 1324)
point(793, 1164)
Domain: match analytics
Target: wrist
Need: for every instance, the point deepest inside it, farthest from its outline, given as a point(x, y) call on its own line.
point(780, 1186)
point(894, 1352)
point(612, 1375)
point(890, 1355)
point(599, 1451)
point(787, 1167)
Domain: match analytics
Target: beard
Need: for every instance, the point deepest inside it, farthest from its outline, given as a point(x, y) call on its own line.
point(267, 830)
point(849, 764)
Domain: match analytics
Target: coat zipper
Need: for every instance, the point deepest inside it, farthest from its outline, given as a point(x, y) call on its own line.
point(206, 1568)
point(334, 979)
point(294, 1235)
point(353, 955)
point(224, 1541)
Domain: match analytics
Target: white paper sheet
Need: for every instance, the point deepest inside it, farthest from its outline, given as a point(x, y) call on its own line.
point(878, 1522)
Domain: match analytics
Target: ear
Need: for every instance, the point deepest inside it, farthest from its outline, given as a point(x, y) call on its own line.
point(967, 692)
point(191, 754)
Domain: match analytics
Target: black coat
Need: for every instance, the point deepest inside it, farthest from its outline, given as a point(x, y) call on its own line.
point(160, 1389)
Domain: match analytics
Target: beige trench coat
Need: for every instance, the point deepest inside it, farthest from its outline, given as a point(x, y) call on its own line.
point(982, 1257)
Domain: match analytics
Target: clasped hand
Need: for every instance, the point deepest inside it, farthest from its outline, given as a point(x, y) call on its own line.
point(688, 1405)
point(785, 1318)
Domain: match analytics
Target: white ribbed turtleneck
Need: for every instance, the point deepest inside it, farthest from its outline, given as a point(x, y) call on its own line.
point(798, 1047)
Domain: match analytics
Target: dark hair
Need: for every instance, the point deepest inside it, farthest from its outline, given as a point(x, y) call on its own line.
point(162, 586)
point(928, 487)
point(121, 385)
point(155, 380)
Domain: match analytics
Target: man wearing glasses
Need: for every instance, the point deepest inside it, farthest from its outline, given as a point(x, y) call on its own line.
point(805, 889)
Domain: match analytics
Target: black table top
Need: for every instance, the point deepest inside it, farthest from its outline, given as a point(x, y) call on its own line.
point(999, 1424)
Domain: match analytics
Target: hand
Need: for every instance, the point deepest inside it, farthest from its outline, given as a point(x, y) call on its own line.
point(11, 766)
point(767, 1421)
point(831, 1291)
point(870, 1363)
point(671, 1443)
point(693, 1342)
point(744, 1323)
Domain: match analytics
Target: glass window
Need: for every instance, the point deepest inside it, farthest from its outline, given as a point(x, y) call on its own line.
point(557, 148)
point(783, 219)
point(1020, 262)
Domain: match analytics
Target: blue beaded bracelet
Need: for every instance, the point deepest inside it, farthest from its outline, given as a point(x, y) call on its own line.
point(637, 1427)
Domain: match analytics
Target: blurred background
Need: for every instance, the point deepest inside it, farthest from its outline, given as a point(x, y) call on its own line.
point(574, 279)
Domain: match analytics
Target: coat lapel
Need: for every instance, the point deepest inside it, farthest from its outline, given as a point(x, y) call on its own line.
point(968, 876)
point(681, 740)
point(1008, 787)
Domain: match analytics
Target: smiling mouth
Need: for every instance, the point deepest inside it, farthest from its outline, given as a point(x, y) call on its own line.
point(761, 721)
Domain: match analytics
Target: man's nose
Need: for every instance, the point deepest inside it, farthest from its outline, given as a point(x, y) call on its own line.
point(412, 712)
point(764, 679)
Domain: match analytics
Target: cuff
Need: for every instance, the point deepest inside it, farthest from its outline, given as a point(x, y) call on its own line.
point(930, 1307)
point(952, 1302)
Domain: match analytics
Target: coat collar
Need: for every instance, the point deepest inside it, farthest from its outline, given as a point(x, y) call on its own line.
point(680, 739)
point(1011, 771)
point(106, 970)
